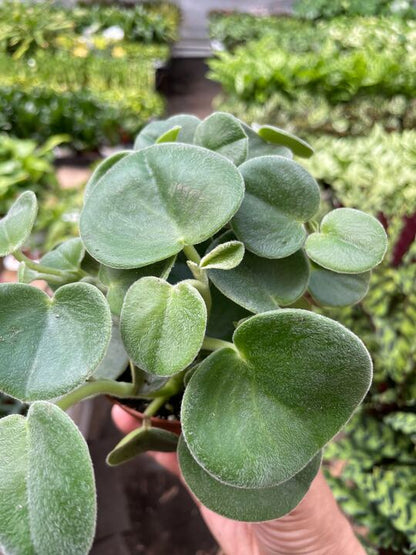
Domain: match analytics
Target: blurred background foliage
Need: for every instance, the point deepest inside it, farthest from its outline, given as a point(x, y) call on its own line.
point(88, 72)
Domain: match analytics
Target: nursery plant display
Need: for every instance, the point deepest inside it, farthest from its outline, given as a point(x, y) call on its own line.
point(175, 235)
point(336, 76)
point(89, 72)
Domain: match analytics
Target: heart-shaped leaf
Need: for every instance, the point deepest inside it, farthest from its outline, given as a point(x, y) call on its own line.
point(169, 136)
point(47, 501)
point(292, 381)
point(224, 315)
point(17, 224)
point(257, 147)
point(224, 256)
point(245, 504)
point(261, 284)
point(102, 169)
point(154, 130)
point(281, 137)
point(224, 134)
point(333, 289)
point(118, 281)
point(141, 440)
point(67, 257)
point(157, 200)
point(49, 346)
point(280, 196)
point(162, 325)
point(116, 359)
point(349, 242)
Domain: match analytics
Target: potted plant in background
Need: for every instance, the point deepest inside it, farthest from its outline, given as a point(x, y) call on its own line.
point(191, 277)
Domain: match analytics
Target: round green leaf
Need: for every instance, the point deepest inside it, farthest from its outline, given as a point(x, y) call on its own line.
point(154, 130)
point(17, 224)
point(349, 242)
point(102, 169)
point(280, 196)
point(49, 346)
point(261, 284)
point(141, 440)
point(47, 501)
point(333, 289)
point(245, 504)
point(279, 136)
point(224, 256)
point(170, 136)
point(162, 325)
point(257, 147)
point(255, 416)
point(157, 200)
point(224, 134)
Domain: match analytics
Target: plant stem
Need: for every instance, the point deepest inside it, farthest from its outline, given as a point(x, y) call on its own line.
point(213, 344)
point(38, 267)
point(203, 289)
point(155, 405)
point(192, 253)
point(91, 389)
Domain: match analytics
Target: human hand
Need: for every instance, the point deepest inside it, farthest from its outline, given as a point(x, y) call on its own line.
point(315, 527)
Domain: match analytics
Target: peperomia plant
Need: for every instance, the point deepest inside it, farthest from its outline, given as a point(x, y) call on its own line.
point(198, 254)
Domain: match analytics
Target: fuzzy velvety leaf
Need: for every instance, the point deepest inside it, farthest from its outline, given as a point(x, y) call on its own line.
point(349, 242)
point(245, 504)
point(333, 289)
point(118, 281)
point(224, 134)
point(47, 503)
point(224, 256)
point(157, 200)
point(280, 197)
point(116, 359)
point(151, 133)
point(48, 346)
point(139, 441)
point(292, 381)
point(281, 137)
point(261, 284)
point(102, 169)
point(162, 325)
point(169, 136)
point(17, 224)
point(257, 147)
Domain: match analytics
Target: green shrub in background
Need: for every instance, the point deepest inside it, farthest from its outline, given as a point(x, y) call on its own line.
point(348, 58)
point(327, 9)
point(96, 99)
point(23, 164)
point(314, 114)
point(40, 112)
point(318, 76)
point(25, 27)
point(155, 22)
point(229, 30)
point(98, 87)
point(377, 486)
